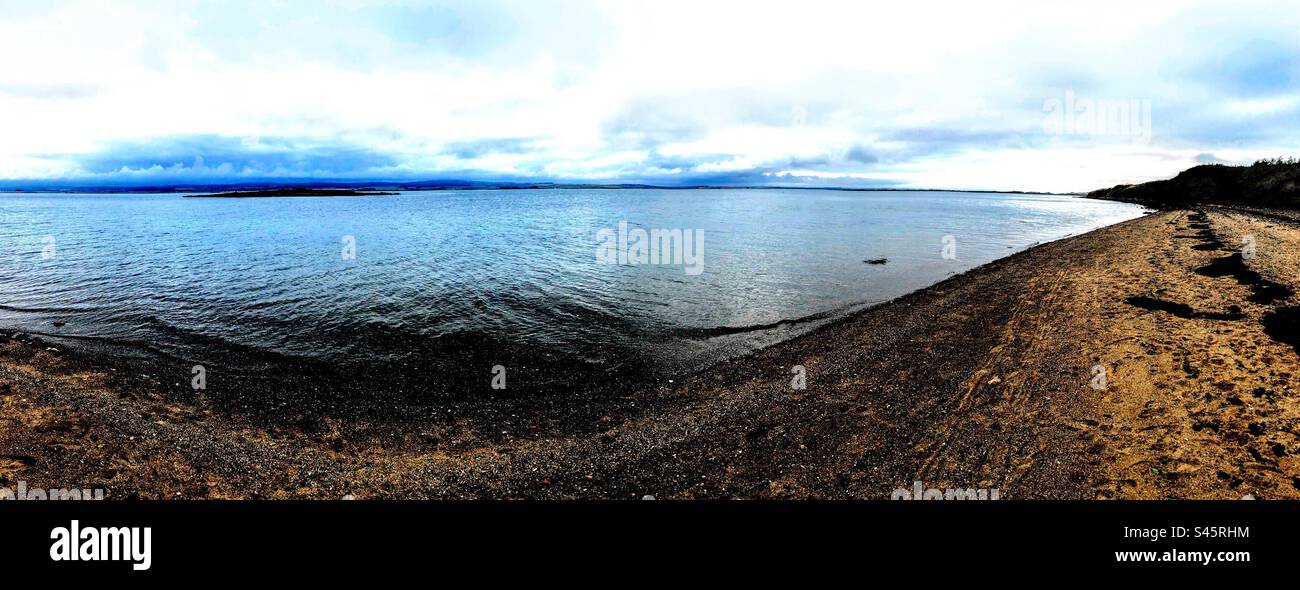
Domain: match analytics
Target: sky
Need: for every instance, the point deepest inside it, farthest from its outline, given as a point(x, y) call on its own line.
point(1037, 96)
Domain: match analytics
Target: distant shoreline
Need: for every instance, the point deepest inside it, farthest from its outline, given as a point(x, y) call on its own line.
point(289, 192)
point(237, 191)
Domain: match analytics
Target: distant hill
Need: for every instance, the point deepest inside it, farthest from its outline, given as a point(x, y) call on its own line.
point(1267, 183)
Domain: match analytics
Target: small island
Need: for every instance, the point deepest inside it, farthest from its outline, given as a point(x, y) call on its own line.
point(290, 192)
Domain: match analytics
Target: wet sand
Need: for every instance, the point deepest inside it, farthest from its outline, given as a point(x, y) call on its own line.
point(992, 379)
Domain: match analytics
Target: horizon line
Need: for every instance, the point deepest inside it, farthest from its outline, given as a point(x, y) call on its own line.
point(48, 187)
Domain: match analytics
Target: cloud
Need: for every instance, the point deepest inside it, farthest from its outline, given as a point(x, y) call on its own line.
point(861, 154)
point(1209, 159)
point(485, 147)
point(216, 158)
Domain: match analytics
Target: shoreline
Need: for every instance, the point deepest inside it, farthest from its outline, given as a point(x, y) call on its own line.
point(983, 380)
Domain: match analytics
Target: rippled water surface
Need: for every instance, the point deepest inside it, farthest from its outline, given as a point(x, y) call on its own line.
point(445, 279)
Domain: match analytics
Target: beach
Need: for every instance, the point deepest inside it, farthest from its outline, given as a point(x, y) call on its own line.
point(1148, 359)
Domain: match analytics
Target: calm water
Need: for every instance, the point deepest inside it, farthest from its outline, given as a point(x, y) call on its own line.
point(446, 281)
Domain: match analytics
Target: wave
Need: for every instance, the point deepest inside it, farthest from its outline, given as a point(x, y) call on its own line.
point(19, 309)
point(716, 331)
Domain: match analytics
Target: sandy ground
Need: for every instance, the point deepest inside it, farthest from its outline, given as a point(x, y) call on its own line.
point(1143, 360)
